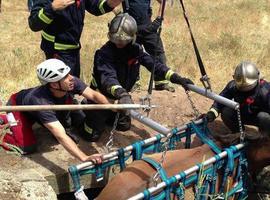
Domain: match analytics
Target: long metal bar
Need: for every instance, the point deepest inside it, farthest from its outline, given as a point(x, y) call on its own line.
point(187, 172)
point(145, 120)
point(207, 93)
point(149, 122)
point(72, 107)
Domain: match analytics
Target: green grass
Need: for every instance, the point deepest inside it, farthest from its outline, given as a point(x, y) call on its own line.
point(226, 33)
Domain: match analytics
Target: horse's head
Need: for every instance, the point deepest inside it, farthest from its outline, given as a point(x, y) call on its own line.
point(258, 148)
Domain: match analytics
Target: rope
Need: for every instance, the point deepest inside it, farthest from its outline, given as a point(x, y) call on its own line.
point(12, 149)
point(204, 79)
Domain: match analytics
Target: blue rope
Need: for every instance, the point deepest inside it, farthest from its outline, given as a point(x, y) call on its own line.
point(121, 158)
point(205, 139)
point(137, 150)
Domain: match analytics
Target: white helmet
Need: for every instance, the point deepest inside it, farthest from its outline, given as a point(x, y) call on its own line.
point(52, 70)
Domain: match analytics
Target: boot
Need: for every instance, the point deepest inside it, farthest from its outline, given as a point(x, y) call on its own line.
point(164, 86)
point(89, 134)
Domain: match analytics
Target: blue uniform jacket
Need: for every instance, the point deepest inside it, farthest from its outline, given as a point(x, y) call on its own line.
point(251, 102)
point(61, 30)
point(115, 67)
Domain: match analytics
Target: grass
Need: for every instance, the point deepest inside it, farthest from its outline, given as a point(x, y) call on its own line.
point(226, 33)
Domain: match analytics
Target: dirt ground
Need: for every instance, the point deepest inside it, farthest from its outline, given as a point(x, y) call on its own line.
point(173, 110)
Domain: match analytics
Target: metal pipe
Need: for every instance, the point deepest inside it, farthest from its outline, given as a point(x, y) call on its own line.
point(72, 107)
point(145, 120)
point(187, 172)
point(149, 122)
point(220, 99)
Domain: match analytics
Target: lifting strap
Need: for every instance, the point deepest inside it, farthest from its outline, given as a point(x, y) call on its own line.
point(204, 79)
point(150, 86)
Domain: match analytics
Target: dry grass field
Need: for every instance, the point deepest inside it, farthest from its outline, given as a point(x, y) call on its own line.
point(226, 32)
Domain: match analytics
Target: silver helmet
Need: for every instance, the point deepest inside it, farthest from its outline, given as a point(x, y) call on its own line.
point(246, 76)
point(122, 29)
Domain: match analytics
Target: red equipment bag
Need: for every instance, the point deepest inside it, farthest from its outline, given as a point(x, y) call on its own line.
point(22, 134)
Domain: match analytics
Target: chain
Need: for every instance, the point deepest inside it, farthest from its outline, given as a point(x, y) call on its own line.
point(109, 144)
point(146, 101)
point(242, 133)
point(165, 147)
point(195, 110)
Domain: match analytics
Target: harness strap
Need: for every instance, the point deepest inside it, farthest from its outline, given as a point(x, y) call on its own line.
point(188, 137)
point(204, 139)
point(179, 190)
point(174, 139)
point(162, 173)
point(155, 147)
point(73, 171)
point(212, 185)
point(204, 79)
point(121, 158)
point(229, 167)
point(137, 150)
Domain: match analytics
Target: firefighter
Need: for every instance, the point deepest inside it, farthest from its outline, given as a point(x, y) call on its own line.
point(58, 86)
point(147, 35)
point(252, 94)
point(116, 67)
point(61, 24)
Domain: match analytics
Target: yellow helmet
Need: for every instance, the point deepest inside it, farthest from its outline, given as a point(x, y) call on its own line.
point(246, 76)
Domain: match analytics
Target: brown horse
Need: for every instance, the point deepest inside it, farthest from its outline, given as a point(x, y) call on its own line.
point(138, 175)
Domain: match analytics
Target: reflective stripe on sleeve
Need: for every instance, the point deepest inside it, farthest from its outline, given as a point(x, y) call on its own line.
point(169, 74)
point(43, 17)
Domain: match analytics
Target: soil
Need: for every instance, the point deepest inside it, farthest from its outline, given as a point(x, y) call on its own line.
point(173, 110)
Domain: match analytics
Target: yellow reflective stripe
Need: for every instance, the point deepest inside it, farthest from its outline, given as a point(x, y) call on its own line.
point(93, 82)
point(113, 88)
point(161, 82)
point(48, 37)
point(214, 111)
point(88, 129)
point(169, 74)
point(43, 17)
point(59, 46)
point(100, 6)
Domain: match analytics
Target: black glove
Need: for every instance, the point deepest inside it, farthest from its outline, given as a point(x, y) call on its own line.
point(175, 78)
point(210, 116)
point(124, 98)
point(153, 27)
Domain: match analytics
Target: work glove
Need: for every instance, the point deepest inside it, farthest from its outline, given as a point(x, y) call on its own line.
point(211, 115)
point(153, 27)
point(175, 78)
point(123, 98)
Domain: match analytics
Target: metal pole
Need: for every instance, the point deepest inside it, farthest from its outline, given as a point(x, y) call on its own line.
point(148, 122)
point(220, 99)
point(73, 107)
point(187, 172)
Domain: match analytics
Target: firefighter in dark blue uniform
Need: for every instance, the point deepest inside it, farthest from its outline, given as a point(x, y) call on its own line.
point(116, 67)
point(147, 36)
point(253, 95)
point(61, 23)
